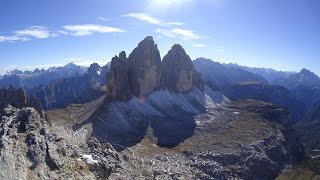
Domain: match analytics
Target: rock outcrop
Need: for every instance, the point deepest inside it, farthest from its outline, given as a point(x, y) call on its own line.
point(18, 98)
point(144, 68)
point(118, 82)
point(177, 71)
point(31, 149)
point(15, 97)
point(34, 102)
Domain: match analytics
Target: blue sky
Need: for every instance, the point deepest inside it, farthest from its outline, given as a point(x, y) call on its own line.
point(281, 34)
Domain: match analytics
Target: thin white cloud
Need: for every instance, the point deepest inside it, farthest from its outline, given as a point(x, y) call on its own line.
point(199, 45)
point(13, 38)
point(152, 20)
point(103, 19)
point(42, 32)
point(144, 17)
point(62, 32)
point(176, 23)
point(184, 34)
point(39, 32)
point(34, 32)
point(88, 29)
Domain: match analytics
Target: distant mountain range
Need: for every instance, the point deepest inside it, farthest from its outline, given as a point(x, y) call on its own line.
point(302, 78)
point(221, 75)
point(30, 79)
point(296, 91)
point(267, 73)
point(74, 89)
point(60, 86)
point(290, 80)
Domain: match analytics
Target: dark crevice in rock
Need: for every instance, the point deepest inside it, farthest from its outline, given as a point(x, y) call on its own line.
point(50, 163)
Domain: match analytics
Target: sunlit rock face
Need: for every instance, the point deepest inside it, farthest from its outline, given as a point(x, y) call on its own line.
point(177, 71)
point(144, 68)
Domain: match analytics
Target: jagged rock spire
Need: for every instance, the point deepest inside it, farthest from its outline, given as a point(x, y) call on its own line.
point(117, 80)
point(177, 71)
point(144, 68)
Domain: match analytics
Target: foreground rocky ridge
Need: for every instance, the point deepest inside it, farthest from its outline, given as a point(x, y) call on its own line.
point(31, 149)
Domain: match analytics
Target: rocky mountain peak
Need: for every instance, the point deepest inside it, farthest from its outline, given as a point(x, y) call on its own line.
point(144, 68)
point(94, 69)
point(306, 72)
point(306, 77)
point(70, 65)
point(147, 42)
point(117, 79)
point(177, 71)
point(143, 72)
point(123, 55)
point(177, 48)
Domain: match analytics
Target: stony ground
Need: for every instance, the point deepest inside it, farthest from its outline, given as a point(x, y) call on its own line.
point(239, 141)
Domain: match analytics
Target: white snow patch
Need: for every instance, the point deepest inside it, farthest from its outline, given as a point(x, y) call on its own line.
point(198, 123)
point(89, 159)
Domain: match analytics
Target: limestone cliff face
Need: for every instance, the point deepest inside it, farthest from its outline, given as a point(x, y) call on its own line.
point(144, 68)
point(177, 71)
point(118, 83)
